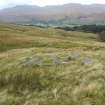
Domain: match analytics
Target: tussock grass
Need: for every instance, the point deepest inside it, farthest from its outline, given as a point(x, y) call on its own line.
point(50, 67)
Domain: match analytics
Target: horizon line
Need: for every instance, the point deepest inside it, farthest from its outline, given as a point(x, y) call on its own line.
point(53, 5)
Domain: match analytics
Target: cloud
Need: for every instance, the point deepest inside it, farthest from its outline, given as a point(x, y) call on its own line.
point(10, 3)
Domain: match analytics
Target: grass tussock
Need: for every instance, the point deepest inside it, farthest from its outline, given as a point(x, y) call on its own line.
point(50, 67)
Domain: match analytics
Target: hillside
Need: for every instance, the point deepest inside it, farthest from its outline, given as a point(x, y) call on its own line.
point(46, 66)
point(56, 15)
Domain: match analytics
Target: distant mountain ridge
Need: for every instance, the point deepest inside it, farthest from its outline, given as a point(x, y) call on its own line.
point(58, 14)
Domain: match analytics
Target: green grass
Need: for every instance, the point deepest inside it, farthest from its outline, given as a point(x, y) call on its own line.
point(50, 67)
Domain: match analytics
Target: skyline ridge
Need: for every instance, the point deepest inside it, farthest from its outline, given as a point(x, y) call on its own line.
point(21, 5)
point(42, 3)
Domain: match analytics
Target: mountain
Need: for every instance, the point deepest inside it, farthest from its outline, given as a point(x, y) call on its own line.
point(58, 14)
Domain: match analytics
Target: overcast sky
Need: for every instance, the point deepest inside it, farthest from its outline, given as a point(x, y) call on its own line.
point(10, 3)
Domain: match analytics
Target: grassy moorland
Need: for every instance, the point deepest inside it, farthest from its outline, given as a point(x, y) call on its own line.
point(45, 66)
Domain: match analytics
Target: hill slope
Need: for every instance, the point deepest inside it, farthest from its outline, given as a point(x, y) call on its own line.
point(60, 14)
point(50, 67)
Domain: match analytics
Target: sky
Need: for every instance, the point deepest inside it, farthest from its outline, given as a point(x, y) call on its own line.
point(11, 3)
